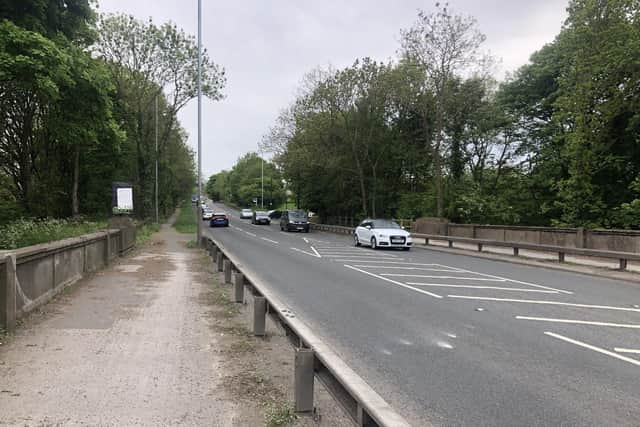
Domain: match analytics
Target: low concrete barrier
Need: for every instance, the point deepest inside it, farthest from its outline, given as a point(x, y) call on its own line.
point(314, 358)
point(31, 276)
point(332, 228)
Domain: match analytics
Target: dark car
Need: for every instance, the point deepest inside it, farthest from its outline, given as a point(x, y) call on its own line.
point(219, 219)
point(260, 217)
point(294, 220)
point(275, 214)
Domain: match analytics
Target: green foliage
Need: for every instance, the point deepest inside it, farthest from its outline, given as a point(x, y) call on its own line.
point(186, 220)
point(27, 232)
point(243, 183)
point(72, 121)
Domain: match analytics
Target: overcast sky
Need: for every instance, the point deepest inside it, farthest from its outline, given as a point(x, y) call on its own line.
point(267, 46)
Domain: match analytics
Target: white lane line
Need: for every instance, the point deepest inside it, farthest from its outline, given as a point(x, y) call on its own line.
point(579, 322)
point(405, 268)
point(316, 252)
point(269, 240)
point(594, 348)
point(498, 288)
point(509, 280)
point(251, 234)
point(394, 282)
point(305, 240)
point(627, 350)
point(305, 252)
point(531, 301)
point(423, 276)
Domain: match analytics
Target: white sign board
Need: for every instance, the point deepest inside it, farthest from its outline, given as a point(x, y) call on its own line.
point(125, 199)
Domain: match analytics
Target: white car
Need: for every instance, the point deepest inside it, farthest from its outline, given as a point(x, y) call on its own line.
point(246, 214)
point(382, 233)
point(207, 214)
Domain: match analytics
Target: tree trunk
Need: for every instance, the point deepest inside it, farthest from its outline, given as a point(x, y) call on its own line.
point(75, 204)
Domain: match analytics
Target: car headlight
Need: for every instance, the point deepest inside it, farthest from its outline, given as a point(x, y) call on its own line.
point(382, 236)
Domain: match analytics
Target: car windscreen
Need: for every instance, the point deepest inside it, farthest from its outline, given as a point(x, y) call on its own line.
point(297, 215)
point(261, 213)
point(385, 223)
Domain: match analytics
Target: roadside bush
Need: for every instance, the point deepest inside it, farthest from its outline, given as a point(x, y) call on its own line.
point(26, 232)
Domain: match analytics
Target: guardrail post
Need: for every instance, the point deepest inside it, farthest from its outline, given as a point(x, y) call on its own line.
point(560, 256)
point(219, 259)
point(516, 251)
point(238, 287)
point(623, 264)
point(364, 420)
point(479, 247)
point(227, 271)
point(450, 243)
point(8, 312)
point(259, 315)
point(303, 380)
point(426, 241)
point(214, 252)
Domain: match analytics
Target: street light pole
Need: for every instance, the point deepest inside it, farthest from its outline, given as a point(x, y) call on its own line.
point(156, 119)
point(198, 219)
point(262, 179)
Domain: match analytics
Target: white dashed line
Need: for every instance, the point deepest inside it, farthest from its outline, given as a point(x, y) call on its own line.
point(305, 240)
point(394, 282)
point(269, 240)
point(594, 348)
point(497, 288)
point(251, 234)
point(579, 322)
point(566, 304)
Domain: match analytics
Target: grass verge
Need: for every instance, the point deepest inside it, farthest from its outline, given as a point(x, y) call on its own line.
point(186, 220)
point(144, 233)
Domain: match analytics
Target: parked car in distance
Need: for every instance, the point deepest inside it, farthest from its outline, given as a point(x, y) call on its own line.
point(194, 199)
point(219, 219)
point(294, 220)
point(207, 213)
point(260, 217)
point(382, 233)
point(246, 214)
point(274, 214)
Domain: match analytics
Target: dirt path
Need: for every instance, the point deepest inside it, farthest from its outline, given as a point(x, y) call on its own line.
point(129, 346)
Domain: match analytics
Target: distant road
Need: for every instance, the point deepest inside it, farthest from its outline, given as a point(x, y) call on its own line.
point(456, 340)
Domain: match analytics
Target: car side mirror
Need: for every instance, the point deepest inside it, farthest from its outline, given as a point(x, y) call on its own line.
point(368, 227)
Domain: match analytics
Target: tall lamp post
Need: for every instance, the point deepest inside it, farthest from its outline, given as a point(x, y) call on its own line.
point(199, 205)
point(262, 179)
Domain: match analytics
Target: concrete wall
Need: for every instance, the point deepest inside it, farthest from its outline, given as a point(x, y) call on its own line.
point(43, 270)
point(613, 240)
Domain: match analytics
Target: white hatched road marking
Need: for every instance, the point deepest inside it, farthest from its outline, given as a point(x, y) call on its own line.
point(307, 253)
point(269, 240)
point(567, 304)
point(499, 288)
point(510, 280)
point(406, 268)
point(394, 282)
point(365, 259)
point(579, 322)
point(627, 350)
point(423, 276)
point(316, 252)
point(594, 348)
point(337, 255)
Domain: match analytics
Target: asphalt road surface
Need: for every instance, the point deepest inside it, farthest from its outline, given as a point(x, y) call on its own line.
point(455, 340)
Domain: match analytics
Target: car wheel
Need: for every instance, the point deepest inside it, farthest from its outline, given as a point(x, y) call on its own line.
point(373, 243)
point(356, 240)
